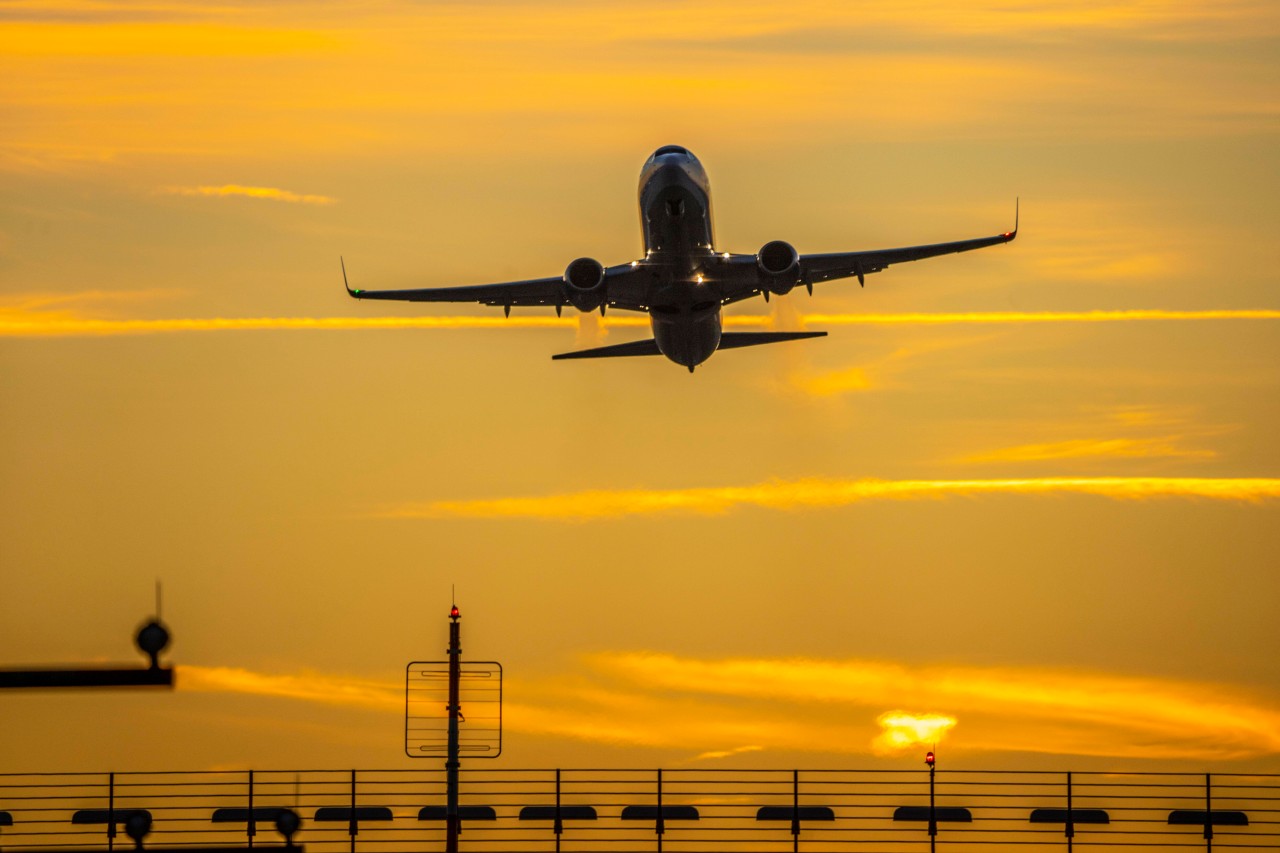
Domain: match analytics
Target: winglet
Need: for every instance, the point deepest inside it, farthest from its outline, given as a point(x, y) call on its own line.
point(1009, 235)
point(354, 293)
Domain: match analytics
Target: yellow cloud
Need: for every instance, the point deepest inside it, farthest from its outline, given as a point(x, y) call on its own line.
point(726, 707)
point(816, 493)
point(173, 76)
point(1000, 708)
point(270, 193)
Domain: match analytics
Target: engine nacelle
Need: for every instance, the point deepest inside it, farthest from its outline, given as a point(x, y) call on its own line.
point(779, 264)
point(584, 284)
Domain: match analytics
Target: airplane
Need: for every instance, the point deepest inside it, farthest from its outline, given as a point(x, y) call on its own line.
point(682, 282)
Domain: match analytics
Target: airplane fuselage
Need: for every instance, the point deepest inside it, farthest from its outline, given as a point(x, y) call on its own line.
point(675, 219)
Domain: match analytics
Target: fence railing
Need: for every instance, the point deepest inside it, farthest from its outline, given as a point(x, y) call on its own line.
point(640, 810)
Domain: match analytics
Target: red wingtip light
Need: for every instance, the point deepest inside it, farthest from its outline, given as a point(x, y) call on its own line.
point(453, 612)
point(928, 758)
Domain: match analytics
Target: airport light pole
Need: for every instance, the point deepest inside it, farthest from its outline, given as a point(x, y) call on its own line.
point(933, 817)
point(452, 760)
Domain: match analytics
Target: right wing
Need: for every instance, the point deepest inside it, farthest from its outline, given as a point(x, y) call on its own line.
point(742, 279)
point(818, 268)
point(535, 291)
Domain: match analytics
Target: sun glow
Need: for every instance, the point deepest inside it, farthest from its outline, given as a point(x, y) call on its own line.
point(902, 730)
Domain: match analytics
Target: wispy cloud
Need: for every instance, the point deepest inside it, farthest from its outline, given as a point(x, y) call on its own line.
point(1115, 433)
point(732, 706)
point(817, 493)
point(43, 305)
point(1169, 447)
point(728, 753)
point(268, 193)
point(324, 688)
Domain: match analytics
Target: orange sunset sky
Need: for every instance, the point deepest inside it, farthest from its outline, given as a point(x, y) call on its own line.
point(1023, 502)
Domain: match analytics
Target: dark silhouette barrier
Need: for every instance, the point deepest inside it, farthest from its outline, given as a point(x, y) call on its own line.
point(1192, 817)
point(1077, 816)
point(788, 813)
point(694, 811)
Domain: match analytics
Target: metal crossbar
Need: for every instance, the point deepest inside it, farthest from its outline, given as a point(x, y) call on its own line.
point(699, 811)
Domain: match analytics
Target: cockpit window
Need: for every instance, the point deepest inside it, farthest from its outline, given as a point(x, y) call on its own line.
point(671, 149)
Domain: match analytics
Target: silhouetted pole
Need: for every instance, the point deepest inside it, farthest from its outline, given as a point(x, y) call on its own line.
point(452, 761)
point(933, 817)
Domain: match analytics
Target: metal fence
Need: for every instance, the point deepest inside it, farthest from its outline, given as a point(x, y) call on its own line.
point(640, 810)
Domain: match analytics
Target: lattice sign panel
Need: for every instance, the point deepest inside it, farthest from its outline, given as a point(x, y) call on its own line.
point(426, 718)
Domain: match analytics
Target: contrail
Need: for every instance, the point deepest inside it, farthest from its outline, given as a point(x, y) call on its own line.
point(78, 327)
point(1020, 317)
point(35, 324)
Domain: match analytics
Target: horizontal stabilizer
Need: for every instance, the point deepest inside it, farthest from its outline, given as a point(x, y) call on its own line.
point(731, 340)
point(649, 347)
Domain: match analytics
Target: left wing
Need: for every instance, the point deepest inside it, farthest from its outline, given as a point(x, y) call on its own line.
point(534, 291)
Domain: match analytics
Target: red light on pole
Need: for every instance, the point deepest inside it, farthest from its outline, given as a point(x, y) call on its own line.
point(453, 612)
point(928, 758)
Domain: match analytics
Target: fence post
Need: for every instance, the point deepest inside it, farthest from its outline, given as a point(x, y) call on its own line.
point(111, 811)
point(659, 825)
point(795, 811)
point(1071, 827)
point(557, 827)
point(353, 826)
point(252, 818)
point(1208, 813)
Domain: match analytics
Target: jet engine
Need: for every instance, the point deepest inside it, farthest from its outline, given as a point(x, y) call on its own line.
point(584, 284)
point(779, 265)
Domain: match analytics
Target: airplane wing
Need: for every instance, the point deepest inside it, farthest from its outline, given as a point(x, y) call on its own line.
point(818, 268)
point(535, 291)
point(814, 269)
